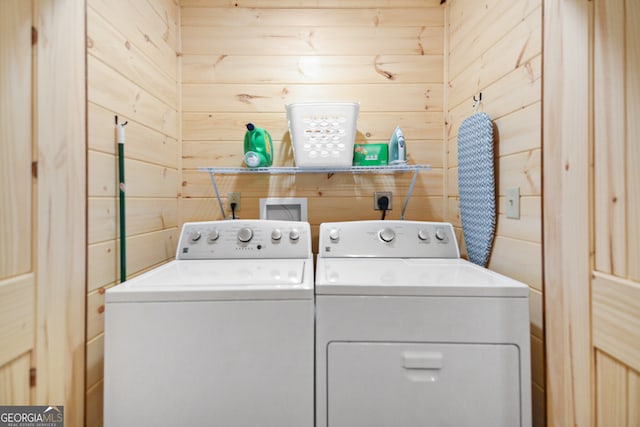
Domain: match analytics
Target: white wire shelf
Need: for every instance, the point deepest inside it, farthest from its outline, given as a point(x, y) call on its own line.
point(292, 170)
point(280, 170)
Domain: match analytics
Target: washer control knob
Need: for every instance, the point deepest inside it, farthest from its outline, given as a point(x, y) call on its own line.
point(245, 234)
point(440, 234)
point(423, 235)
point(387, 234)
point(213, 235)
point(294, 234)
point(276, 234)
point(194, 236)
point(334, 235)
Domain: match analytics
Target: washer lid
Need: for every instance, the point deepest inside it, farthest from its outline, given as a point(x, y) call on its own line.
point(198, 280)
point(419, 277)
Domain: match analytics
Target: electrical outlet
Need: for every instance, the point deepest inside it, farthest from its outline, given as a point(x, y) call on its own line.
point(234, 198)
point(377, 195)
point(513, 203)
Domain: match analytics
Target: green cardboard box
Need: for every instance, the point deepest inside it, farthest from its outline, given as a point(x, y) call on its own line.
point(370, 154)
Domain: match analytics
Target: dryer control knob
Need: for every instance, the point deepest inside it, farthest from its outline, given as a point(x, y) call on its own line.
point(213, 235)
point(194, 236)
point(294, 234)
point(334, 235)
point(245, 234)
point(387, 234)
point(276, 234)
point(423, 235)
point(440, 234)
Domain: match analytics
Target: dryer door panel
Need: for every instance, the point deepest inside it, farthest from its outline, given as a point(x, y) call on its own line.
point(409, 384)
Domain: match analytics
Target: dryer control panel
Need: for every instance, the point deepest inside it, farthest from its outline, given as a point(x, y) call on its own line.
point(387, 239)
point(245, 239)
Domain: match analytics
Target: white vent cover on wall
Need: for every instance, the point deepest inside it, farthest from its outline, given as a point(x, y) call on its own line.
point(286, 209)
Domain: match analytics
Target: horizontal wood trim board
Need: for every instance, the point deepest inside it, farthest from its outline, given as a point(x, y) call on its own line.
point(17, 316)
point(313, 4)
point(318, 17)
point(248, 98)
point(314, 40)
point(312, 69)
point(616, 317)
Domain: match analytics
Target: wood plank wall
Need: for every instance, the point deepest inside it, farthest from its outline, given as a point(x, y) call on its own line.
point(244, 60)
point(495, 47)
point(60, 235)
point(133, 72)
point(566, 213)
point(615, 290)
point(17, 279)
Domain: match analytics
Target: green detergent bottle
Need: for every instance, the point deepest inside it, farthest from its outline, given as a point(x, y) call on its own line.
point(258, 147)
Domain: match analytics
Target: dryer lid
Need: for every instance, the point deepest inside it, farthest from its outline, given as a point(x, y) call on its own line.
point(182, 280)
point(406, 277)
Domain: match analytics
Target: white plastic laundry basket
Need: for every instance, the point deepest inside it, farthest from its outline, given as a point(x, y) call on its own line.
point(323, 133)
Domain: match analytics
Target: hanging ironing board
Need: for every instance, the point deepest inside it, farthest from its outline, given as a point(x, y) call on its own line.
point(476, 185)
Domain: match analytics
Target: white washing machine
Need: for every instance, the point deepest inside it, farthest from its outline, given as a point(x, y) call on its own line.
point(223, 335)
point(408, 334)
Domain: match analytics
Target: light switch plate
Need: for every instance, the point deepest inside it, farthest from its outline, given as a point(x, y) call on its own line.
point(513, 203)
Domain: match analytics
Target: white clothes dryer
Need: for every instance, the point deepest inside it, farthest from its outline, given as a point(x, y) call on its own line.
point(222, 335)
point(409, 334)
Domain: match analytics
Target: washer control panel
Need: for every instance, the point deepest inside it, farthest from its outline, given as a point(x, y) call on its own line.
point(387, 239)
point(245, 239)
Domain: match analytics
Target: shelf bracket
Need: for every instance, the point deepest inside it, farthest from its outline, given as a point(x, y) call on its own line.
point(406, 201)
point(215, 187)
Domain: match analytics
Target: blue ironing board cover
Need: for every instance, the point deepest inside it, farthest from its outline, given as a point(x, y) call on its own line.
point(476, 185)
